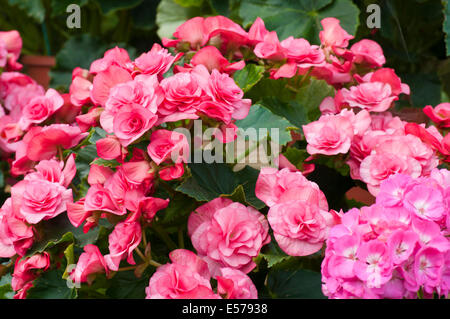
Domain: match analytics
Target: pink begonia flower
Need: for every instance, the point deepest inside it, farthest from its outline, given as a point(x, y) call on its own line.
point(147, 207)
point(377, 167)
point(38, 200)
point(270, 48)
point(98, 174)
point(368, 52)
point(77, 213)
point(191, 31)
point(234, 284)
point(90, 119)
point(156, 61)
point(330, 135)
point(123, 240)
point(131, 123)
point(143, 91)
point(303, 53)
point(105, 80)
point(257, 31)
point(360, 121)
point(25, 271)
point(222, 88)
point(228, 234)
point(166, 145)
point(217, 29)
point(3, 54)
point(215, 110)
point(211, 58)
point(109, 148)
point(333, 35)
point(439, 115)
point(80, 91)
point(99, 198)
point(46, 140)
point(12, 44)
point(183, 94)
point(172, 172)
point(386, 76)
point(273, 186)
point(91, 262)
point(300, 228)
point(371, 96)
point(112, 57)
point(16, 236)
point(187, 277)
point(55, 171)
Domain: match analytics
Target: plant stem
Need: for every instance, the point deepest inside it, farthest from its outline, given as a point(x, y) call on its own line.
point(127, 268)
point(154, 263)
point(164, 236)
point(141, 254)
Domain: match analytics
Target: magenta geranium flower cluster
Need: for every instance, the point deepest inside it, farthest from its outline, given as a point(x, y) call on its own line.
point(397, 248)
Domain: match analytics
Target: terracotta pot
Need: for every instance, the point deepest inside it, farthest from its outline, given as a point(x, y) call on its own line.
point(361, 195)
point(38, 67)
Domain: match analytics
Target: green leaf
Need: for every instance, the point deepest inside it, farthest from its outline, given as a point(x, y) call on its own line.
point(295, 284)
point(180, 206)
point(273, 254)
point(68, 253)
point(247, 177)
point(299, 18)
point(6, 291)
point(144, 15)
point(54, 231)
point(446, 26)
point(170, 15)
point(238, 195)
point(2, 179)
point(108, 6)
point(425, 88)
point(248, 76)
point(106, 163)
point(125, 285)
point(209, 181)
point(33, 8)
point(259, 118)
point(296, 156)
point(189, 3)
point(84, 157)
point(51, 285)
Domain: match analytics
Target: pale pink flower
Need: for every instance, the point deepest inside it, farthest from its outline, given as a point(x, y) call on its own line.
point(166, 144)
point(234, 284)
point(91, 262)
point(228, 234)
point(368, 52)
point(124, 239)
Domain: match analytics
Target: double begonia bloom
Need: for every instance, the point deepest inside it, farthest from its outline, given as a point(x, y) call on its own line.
point(99, 198)
point(105, 80)
point(228, 234)
point(123, 240)
point(25, 273)
point(38, 200)
point(330, 135)
point(112, 57)
point(91, 262)
point(211, 58)
point(156, 61)
point(187, 277)
point(40, 108)
point(370, 96)
point(234, 284)
point(166, 145)
point(16, 235)
point(182, 94)
point(143, 91)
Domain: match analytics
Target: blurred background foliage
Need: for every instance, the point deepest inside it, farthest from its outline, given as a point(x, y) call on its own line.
point(412, 33)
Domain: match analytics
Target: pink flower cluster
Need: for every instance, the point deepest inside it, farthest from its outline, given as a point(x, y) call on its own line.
point(130, 98)
point(298, 213)
point(10, 48)
point(188, 277)
point(396, 248)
